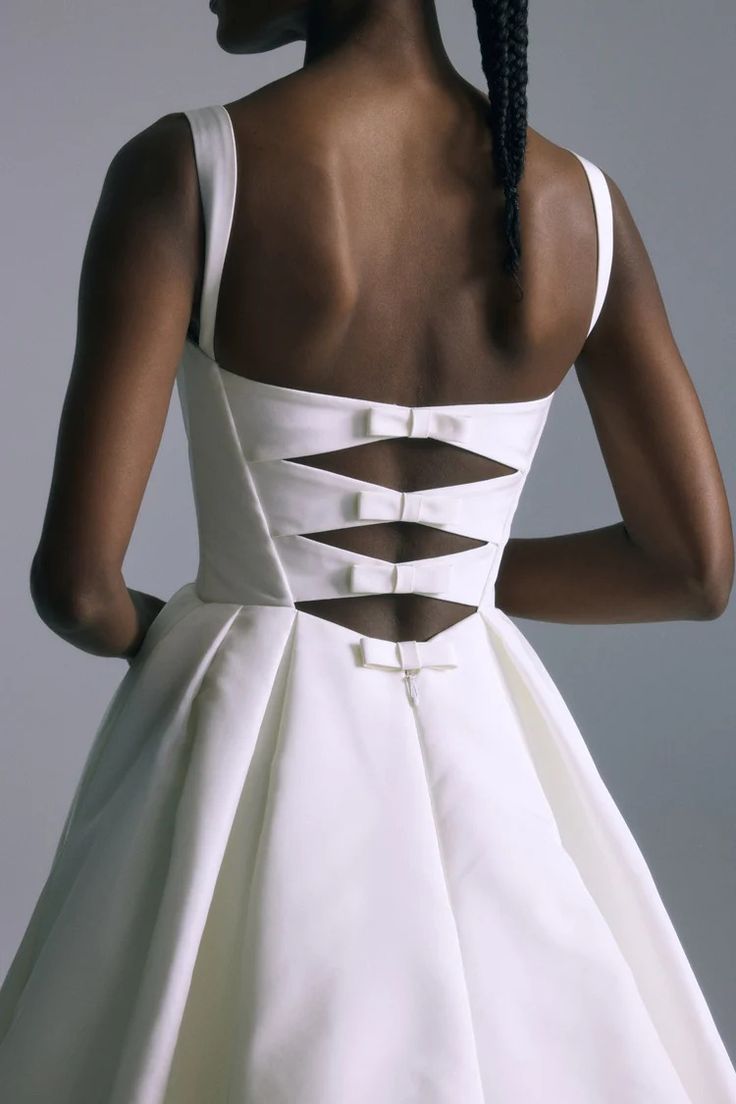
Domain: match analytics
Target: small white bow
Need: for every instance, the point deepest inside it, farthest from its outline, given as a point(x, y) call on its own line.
point(388, 505)
point(407, 655)
point(417, 421)
point(401, 578)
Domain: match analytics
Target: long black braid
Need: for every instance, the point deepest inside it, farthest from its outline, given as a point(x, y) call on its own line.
point(503, 35)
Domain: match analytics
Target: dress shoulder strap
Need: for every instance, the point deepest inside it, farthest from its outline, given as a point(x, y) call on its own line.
point(604, 226)
point(216, 157)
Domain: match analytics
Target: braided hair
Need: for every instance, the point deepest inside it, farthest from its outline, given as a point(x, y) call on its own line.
point(503, 36)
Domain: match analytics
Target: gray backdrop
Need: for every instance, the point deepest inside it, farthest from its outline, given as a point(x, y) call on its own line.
point(644, 90)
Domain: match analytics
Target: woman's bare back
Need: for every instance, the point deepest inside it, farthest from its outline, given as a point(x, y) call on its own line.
point(364, 260)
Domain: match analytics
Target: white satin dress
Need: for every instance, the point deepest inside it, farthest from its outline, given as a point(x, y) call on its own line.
point(303, 866)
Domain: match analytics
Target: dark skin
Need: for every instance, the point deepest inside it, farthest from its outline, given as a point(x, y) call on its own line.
point(365, 260)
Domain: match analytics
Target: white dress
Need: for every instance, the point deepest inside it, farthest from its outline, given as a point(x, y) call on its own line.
point(304, 866)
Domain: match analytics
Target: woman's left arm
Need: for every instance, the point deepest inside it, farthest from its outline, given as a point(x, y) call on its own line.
point(138, 282)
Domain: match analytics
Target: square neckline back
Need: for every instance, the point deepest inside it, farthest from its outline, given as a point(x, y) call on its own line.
point(500, 406)
point(221, 147)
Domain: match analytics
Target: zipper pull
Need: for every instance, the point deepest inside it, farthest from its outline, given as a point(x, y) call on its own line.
point(410, 678)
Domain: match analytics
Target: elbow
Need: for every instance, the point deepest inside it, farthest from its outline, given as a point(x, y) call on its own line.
point(62, 602)
point(712, 599)
point(698, 586)
point(710, 591)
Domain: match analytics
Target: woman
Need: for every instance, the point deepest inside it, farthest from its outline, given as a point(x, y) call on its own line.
point(338, 839)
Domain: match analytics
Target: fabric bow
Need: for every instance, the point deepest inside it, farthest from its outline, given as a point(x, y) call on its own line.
point(417, 421)
point(407, 655)
point(401, 578)
point(388, 505)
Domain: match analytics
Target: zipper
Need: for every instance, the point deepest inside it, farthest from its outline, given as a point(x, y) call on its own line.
point(410, 679)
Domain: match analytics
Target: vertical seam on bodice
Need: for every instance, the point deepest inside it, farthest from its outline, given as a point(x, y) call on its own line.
point(247, 475)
